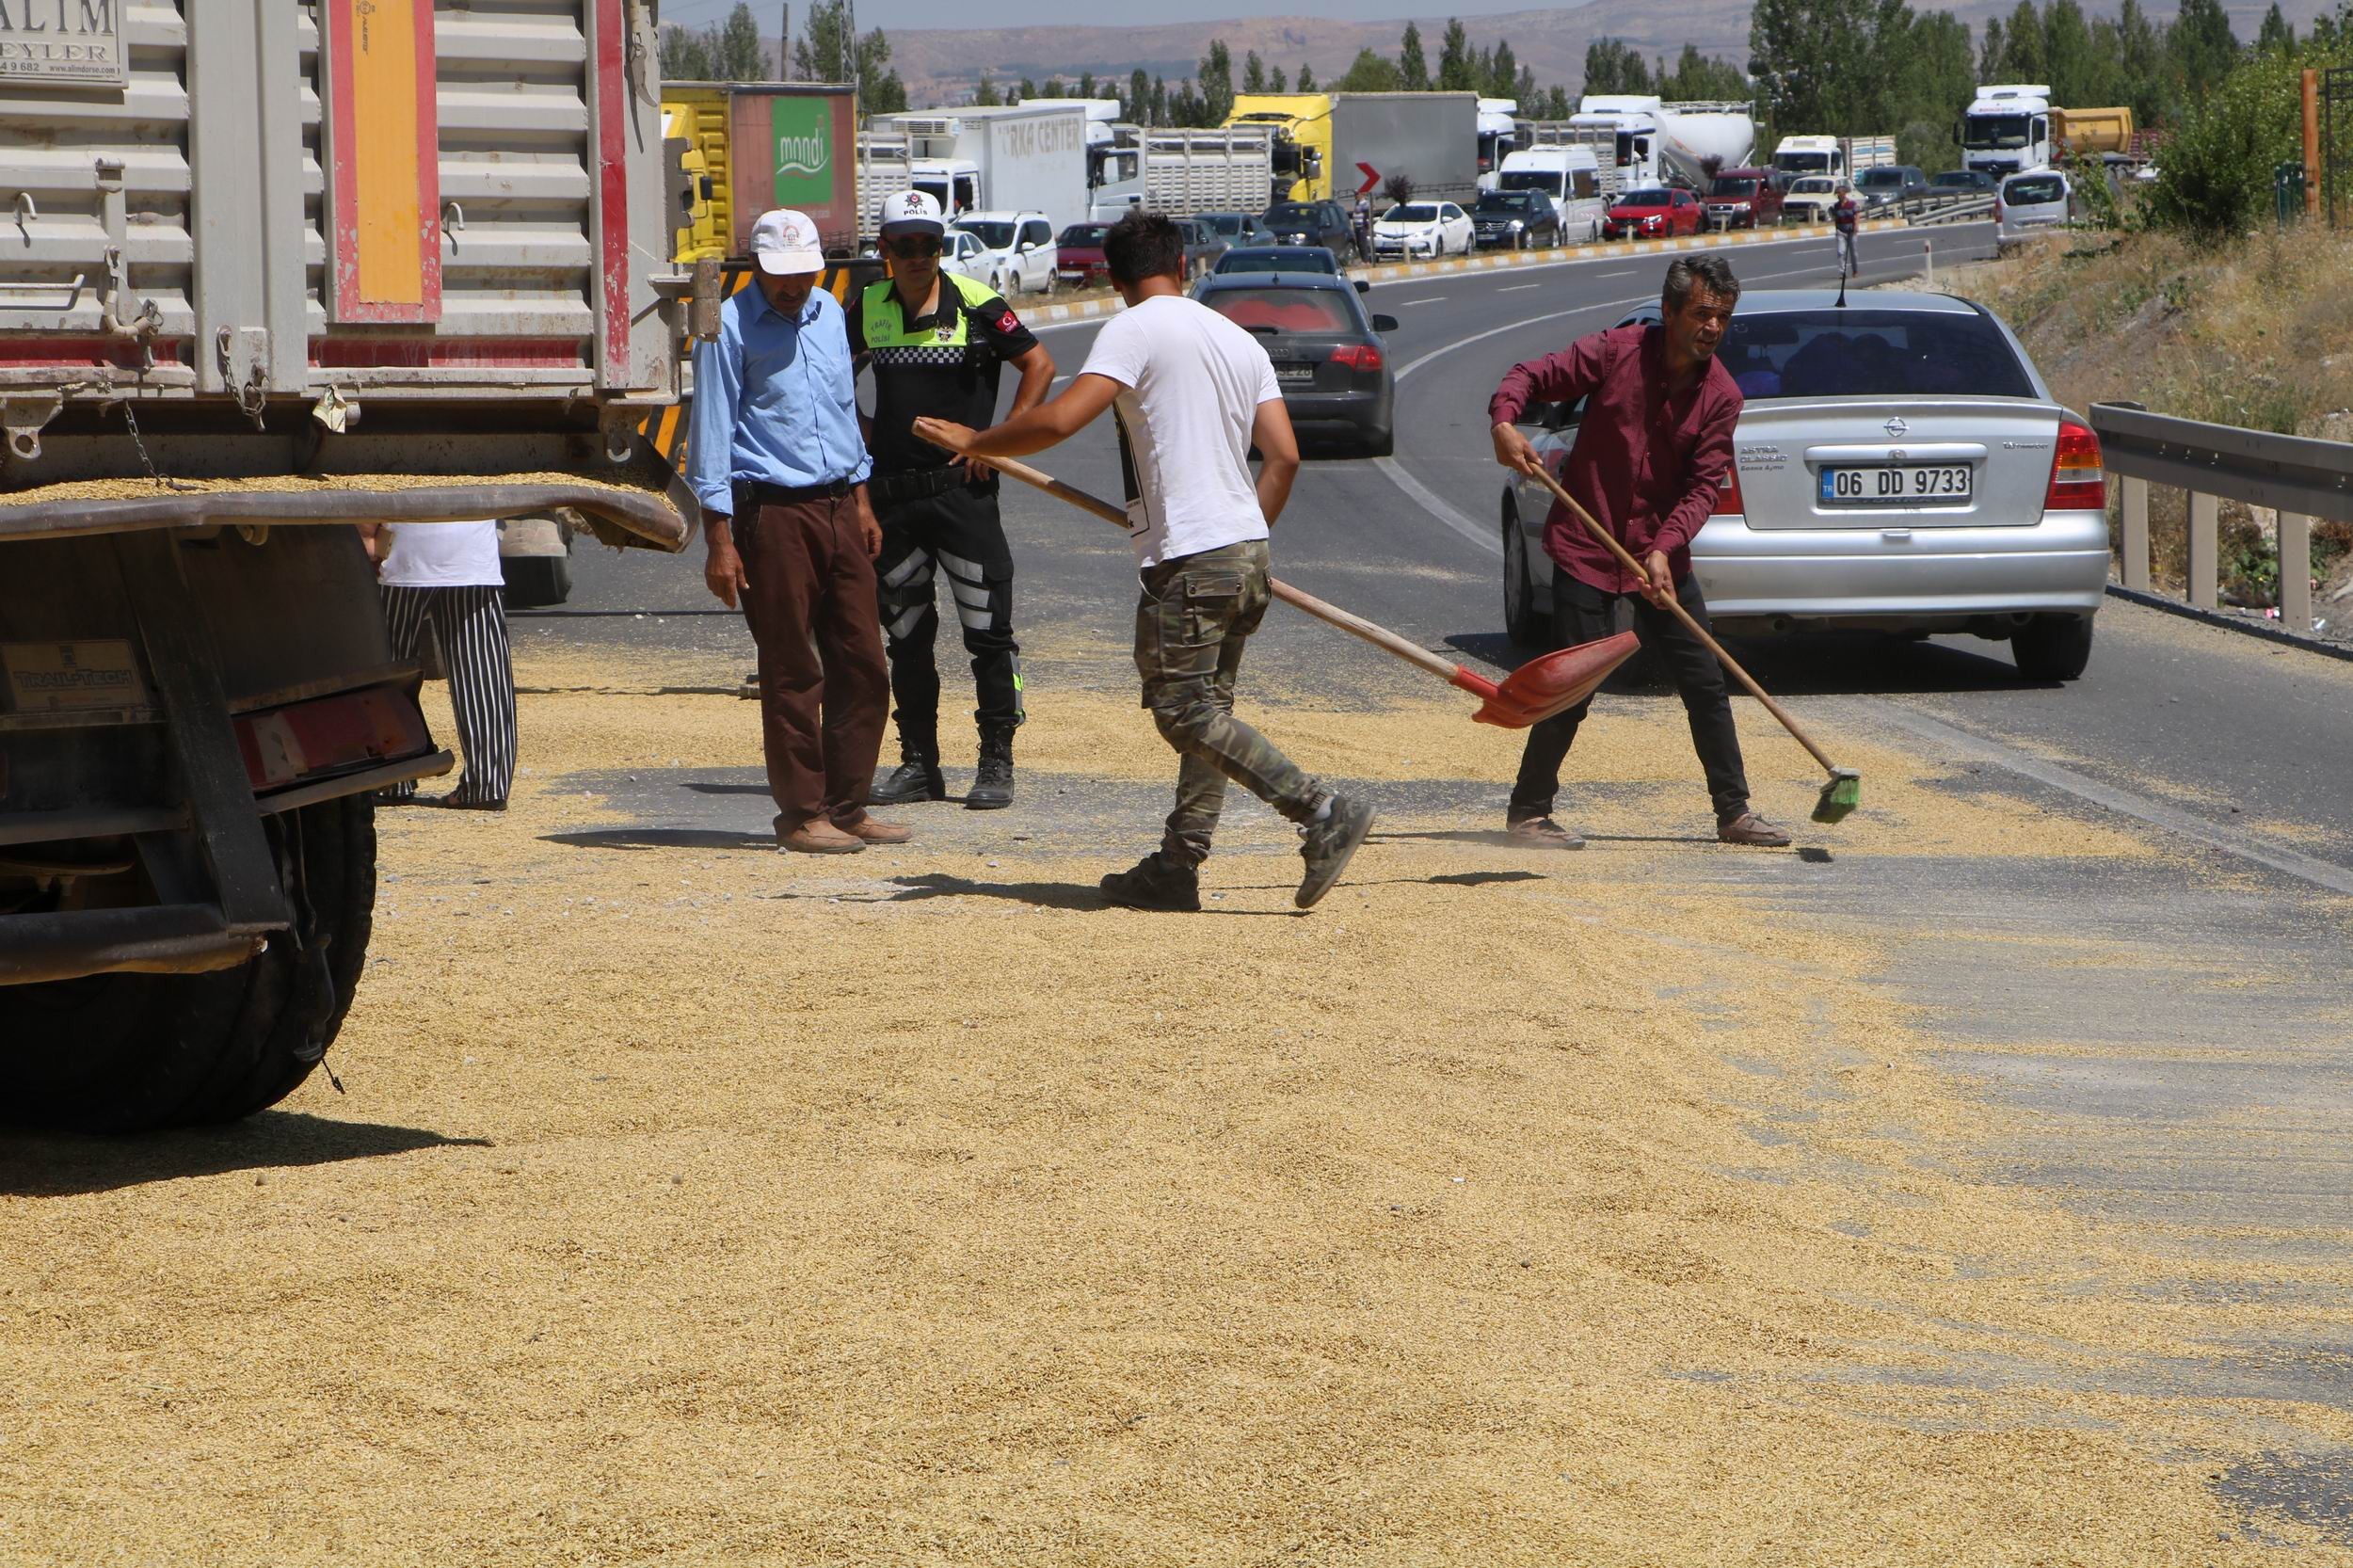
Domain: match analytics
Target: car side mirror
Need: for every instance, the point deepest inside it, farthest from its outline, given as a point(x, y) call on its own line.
point(1023, 248)
point(1362, 287)
point(1384, 324)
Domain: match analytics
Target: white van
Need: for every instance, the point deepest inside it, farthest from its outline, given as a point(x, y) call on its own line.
point(1571, 176)
point(2039, 198)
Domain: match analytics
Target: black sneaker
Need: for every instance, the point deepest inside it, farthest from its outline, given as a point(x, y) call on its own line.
point(1156, 883)
point(918, 778)
point(992, 781)
point(1330, 840)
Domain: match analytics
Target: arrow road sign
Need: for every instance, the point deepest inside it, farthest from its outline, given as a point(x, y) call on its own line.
point(1373, 178)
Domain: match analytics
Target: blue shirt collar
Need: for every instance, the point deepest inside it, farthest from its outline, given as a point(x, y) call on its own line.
point(808, 310)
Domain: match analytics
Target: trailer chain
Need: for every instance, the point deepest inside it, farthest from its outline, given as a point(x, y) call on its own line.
point(131, 419)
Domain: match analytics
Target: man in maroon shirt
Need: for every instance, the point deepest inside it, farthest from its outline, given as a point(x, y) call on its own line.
point(1653, 450)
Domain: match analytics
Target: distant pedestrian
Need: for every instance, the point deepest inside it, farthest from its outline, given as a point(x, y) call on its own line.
point(777, 462)
point(1651, 456)
point(938, 344)
point(445, 576)
point(1192, 393)
point(1842, 217)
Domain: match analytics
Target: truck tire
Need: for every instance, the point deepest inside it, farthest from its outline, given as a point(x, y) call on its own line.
point(2051, 648)
point(533, 581)
point(137, 1052)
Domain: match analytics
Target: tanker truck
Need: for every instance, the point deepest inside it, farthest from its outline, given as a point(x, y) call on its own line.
point(291, 270)
point(1663, 143)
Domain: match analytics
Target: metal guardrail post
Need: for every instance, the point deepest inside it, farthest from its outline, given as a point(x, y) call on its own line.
point(2296, 571)
point(2204, 554)
point(2136, 540)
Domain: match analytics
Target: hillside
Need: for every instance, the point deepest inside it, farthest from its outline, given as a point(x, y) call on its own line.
point(942, 65)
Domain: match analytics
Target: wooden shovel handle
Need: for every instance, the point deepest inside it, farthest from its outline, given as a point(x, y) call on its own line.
point(1331, 614)
point(1626, 560)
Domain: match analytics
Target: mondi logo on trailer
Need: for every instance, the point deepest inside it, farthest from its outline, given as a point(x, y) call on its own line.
point(803, 129)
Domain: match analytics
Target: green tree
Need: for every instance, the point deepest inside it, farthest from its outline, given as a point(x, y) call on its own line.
point(2215, 178)
point(1306, 78)
point(1503, 73)
point(1457, 72)
point(1024, 90)
point(1253, 72)
point(2078, 75)
point(2274, 36)
point(1698, 78)
point(737, 55)
point(1611, 66)
point(1990, 57)
point(2140, 57)
point(1087, 87)
point(1279, 82)
point(985, 95)
point(2200, 46)
point(685, 55)
point(1370, 73)
point(1819, 65)
point(2024, 56)
point(1412, 66)
point(1217, 84)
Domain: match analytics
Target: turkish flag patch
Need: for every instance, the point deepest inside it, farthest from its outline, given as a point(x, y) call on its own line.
point(1009, 323)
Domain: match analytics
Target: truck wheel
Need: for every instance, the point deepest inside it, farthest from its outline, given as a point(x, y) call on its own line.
point(137, 1052)
point(533, 581)
point(2053, 647)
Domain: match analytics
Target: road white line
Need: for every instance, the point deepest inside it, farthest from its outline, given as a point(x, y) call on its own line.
point(2157, 814)
point(1428, 299)
point(1488, 539)
point(1517, 287)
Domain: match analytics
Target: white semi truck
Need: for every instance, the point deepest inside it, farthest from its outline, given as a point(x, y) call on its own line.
point(1658, 142)
point(1840, 157)
point(267, 277)
point(1018, 157)
point(2008, 128)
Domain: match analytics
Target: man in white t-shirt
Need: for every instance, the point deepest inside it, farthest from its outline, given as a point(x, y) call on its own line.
point(1192, 392)
point(447, 575)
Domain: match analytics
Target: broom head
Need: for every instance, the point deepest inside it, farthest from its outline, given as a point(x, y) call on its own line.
point(1842, 795)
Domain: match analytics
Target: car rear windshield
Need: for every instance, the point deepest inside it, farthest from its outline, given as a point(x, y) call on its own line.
point(1645, 199)
point(1549, 181)
point(1853, 353)
point(1874, 178)
point(1287, 261)
point(1293, 213)
point(1225, 223)
point(1417, 213)
point(1956, 177)
point(1734, 187)
point(2035, 191)
point(1813, 185)
point(997, 236)
point(1083, 233)
point(1505, 202)
point(1284, 310)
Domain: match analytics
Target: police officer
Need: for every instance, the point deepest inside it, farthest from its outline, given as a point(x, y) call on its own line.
point(936, 342)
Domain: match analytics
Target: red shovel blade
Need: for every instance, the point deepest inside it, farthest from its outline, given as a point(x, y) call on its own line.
point(1552, 684)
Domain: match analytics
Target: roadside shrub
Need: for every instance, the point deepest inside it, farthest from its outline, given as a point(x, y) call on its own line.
point(2213, 177)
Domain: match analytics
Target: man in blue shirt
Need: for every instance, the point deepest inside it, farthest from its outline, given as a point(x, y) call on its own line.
point(776, 460)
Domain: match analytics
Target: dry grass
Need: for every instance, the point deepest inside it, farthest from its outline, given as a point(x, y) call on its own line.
point(1510, 1209)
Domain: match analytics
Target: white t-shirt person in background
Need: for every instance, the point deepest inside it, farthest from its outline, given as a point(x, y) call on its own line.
point(446, 576)
point(1192, 392)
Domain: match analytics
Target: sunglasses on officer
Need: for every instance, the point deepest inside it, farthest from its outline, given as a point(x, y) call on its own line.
point(912, 245)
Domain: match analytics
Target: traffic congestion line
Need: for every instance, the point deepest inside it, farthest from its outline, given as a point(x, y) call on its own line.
point(1392, 272)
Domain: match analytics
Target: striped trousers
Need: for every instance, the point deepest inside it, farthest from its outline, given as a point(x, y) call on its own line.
point(470, 633)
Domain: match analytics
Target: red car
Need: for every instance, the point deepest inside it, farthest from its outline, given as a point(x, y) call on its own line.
point(1745, 198)
point(1653, 214)
point(1079, 256)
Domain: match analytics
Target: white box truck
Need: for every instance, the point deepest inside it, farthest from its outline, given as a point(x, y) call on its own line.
point(1013, 157)
point(1840, 157)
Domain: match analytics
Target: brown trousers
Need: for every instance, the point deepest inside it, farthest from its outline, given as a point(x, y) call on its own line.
point(825, 691)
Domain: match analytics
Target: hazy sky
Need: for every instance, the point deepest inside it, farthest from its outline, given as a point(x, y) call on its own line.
point(888, 14)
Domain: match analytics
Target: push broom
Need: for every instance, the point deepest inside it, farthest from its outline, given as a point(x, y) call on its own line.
point(1536, 691)
point(1844, 791)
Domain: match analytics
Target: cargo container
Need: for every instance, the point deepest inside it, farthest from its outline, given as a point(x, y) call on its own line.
point(301, 266)
point(2093, 133)
point(755, 146)
point(1013, 158)
point(1840, 157)
point(1338, 145)
point(1184, 172)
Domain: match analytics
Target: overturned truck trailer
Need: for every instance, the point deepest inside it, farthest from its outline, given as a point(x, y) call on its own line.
point(264, 275)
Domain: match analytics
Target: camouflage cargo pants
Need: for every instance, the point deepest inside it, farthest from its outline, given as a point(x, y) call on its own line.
point(1193, 620)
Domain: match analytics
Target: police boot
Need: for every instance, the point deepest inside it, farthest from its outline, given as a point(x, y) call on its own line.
point(992, 781)
point(915, 778)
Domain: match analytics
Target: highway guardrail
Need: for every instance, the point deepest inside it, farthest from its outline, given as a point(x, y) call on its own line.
point(1964, 208)
point(2298, 476)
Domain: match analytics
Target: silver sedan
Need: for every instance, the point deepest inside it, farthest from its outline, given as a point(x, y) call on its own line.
point(1900, 465)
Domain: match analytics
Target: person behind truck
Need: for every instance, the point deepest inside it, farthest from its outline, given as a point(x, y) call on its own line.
point(1842, 217)
point(445, 576)
point(937, 343)
point(778, 461)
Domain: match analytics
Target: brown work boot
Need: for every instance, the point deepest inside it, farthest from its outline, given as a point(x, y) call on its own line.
point(1542, 833)
point(873, 832)
point(820, 837)
point(1749, 828)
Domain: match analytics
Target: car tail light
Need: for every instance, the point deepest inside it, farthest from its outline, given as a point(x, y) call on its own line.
point(2078, 484)
point(1357, 356)
point(1728, 501)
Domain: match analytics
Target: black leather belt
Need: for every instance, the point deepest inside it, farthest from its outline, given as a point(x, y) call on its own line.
point(889, 489)
point(763, 494)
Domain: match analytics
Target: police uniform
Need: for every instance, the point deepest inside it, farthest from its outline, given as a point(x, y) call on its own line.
point(946, 365)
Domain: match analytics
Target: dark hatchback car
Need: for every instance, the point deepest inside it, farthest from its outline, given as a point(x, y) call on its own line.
point(1329, 359)
point(1323, 223)
point(1514, 220)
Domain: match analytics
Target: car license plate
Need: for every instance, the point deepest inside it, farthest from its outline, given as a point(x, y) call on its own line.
point(1295, 375)
point(1895, 484)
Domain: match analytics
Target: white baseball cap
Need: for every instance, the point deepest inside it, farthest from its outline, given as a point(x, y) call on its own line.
point(785, 242)
point(911, 212)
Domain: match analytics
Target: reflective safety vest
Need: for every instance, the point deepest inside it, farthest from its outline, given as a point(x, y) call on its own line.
point(947, 341)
